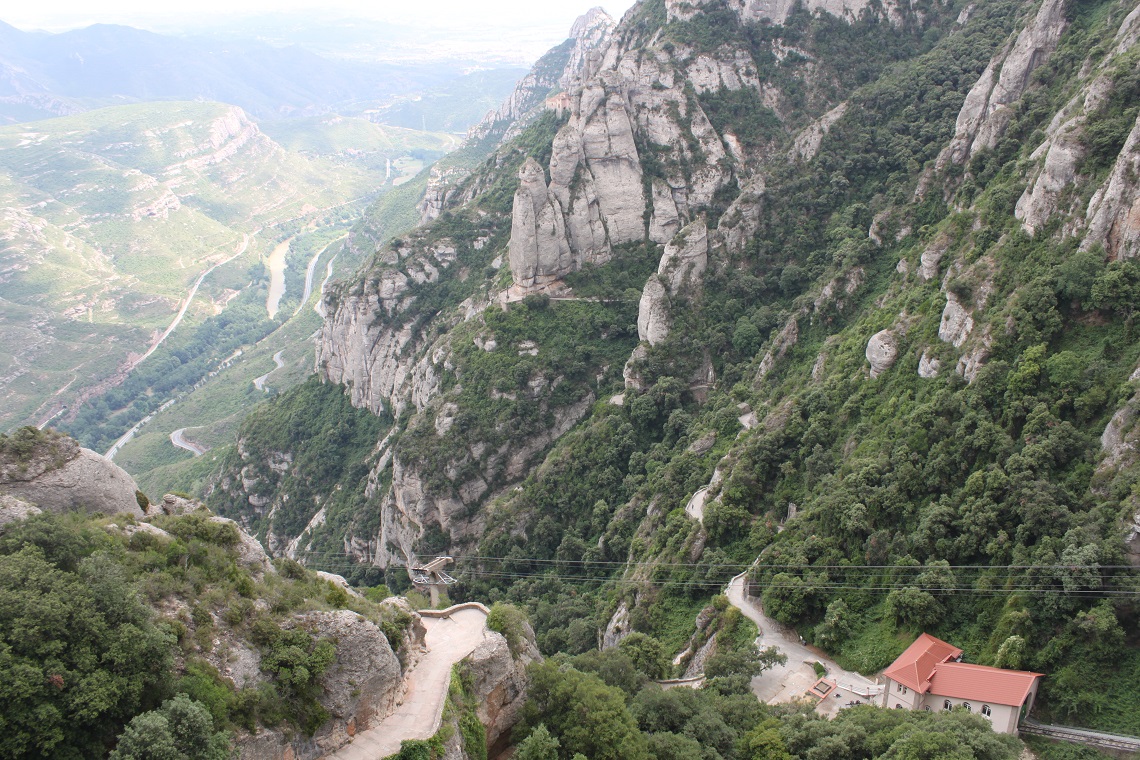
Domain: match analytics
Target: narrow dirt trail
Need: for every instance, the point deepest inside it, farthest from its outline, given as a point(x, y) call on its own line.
point(784, 683)
point(449, 640)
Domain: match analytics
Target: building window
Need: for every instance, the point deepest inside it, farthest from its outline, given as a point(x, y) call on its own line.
point(926, 707)
point(898, 707)
point(900, 688)
point(947, 705)
point(967, 706)
point(986, 710)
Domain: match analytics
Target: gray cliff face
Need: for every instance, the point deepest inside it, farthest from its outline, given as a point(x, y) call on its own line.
point(882, 351)
point(596, 198)
point(1114, 211)
point(87, 482)
point(987, 109)
point(556, 71)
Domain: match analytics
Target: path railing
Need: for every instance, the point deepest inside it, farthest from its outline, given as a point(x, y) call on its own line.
point(1081, 736)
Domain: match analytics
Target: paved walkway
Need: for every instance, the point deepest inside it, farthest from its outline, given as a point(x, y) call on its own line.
point(787, 682)
point(449, 640)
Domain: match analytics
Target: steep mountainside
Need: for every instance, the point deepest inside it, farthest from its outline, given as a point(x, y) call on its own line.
point(839, 292)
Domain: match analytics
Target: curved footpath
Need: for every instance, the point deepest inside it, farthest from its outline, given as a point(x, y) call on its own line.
point(418, 716)
point(784, 683)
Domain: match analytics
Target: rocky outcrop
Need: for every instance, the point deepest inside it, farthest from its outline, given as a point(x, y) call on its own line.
point(808, 141)
point(539, 252)
point(362, 686)
point(680, 269)
point(13, 509)
point(929, 366)
point(618, 627)
point(359, 689)
point(1113, 214)
point(171, 504)
point(882, 351)
point(590, 34)
point(499, 684)
point(87, 482)
point(932, 256)
point(784, 341)
point(957, 322)
point(558, 69)
point(987, 110)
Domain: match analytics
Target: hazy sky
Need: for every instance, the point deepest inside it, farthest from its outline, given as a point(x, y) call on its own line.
point(57, 15)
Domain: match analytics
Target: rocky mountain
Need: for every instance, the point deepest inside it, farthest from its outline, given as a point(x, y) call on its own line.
point(861, 275)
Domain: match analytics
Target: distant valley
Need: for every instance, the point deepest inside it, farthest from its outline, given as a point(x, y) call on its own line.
point(114, 217)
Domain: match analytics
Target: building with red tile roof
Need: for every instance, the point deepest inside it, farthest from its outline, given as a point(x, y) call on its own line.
point(930, 675)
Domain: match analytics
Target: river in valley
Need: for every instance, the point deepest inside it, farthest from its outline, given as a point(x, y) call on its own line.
point(277, 277)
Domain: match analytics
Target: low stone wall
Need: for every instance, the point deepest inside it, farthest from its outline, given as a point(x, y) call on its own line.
point(454, 608)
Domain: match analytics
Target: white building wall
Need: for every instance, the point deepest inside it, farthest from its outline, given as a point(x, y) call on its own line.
point(1004, 718)
point(894, 696)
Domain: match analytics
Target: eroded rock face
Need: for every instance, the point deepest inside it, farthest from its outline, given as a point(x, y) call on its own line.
point(617, 628)
point(882, 351)
point(932, 257)
point(1112, 217)
point(986, 112)
point(87, 483)
point(539, 248)
point(785, 340)
point(681, 266)
point(777, 11)
point(807, 142)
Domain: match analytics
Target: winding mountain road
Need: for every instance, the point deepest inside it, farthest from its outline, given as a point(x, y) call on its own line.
point(309, 275)
point(259, 382)
point(179, 440)
point(787, 682)
point(190, 298)
point(419, 715)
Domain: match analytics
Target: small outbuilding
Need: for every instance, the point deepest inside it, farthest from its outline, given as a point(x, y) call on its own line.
point(930, 675)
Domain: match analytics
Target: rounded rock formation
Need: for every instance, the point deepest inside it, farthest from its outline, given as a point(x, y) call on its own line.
point(882, 350)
